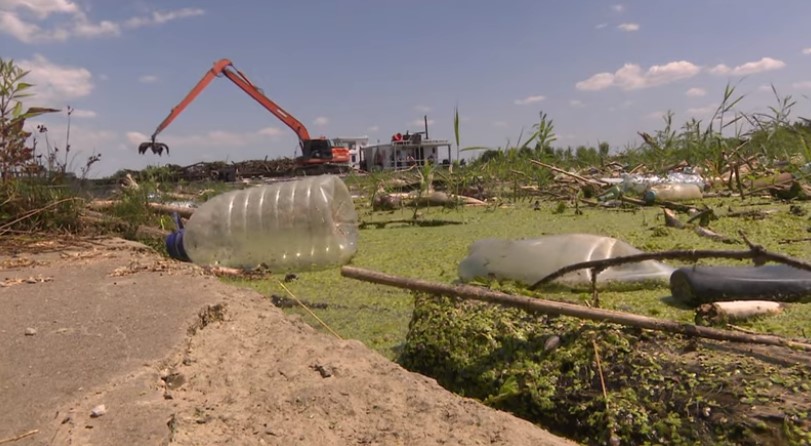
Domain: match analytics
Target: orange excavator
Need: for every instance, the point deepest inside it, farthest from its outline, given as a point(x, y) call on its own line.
point(318, 155)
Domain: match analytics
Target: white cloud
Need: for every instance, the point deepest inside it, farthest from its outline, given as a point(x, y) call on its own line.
point(764, 64)
point(631, 76)
point(696, 92)
point(81, 113)
point(807, 51)
point(271, 131)
point(421, 123)
point(38, 21)
point(159, 17)
point(599, 81)
point(501, 124)
point(529, 100)
point(136, 138)
point(321, 121)
point(56, 83)
point(422, 108)
point(148, 79)
point(41, 8)
point(576, 103)
point(84, 28)
point(214, 138)
point(601, 25)
point(655, 115)
point(373, 129)
point(765, 87)
point(804, 85)
point(628, 27)
point(618, 7)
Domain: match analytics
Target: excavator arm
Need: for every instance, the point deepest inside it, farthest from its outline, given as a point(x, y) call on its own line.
point(226, 68)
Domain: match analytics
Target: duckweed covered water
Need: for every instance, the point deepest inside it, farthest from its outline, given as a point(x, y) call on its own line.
point(661, 389)
point(379, 315)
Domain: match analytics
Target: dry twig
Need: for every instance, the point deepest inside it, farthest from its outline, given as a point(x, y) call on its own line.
point(19, 437)
point(756, 252)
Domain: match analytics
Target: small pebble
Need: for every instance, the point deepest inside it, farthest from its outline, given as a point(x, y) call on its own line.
point(30, 331)
point(98, 411)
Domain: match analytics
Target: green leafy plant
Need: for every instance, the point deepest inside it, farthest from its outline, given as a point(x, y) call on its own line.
point(16, 156)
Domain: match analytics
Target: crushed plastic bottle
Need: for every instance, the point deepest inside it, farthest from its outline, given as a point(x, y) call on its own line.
point(638, 184)
point(301, 225)
point(686, 178)
point(671, 185)
point(529, 260)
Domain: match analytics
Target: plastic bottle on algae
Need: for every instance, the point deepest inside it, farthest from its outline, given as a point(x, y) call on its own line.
point(301, 225)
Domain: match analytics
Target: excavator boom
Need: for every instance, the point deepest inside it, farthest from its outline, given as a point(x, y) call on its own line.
point(315, 153)
point(226, 68)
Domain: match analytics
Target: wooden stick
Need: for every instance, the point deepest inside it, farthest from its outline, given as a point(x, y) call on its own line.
point(142, 230)
point(19, 437)
point(536, 305)
point(755, 252)
point(671, 220)
point(184, 212)
point(736, 310)
point(712, 235)
point(573, 175)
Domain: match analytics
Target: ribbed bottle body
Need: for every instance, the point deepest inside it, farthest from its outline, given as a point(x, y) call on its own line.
point(673, 192)
point(300, 225)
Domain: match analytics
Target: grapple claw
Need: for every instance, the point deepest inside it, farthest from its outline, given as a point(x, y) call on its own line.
point(156, 147)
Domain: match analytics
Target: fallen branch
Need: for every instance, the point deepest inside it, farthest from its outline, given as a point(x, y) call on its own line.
point(671, 220)
point(757, 253)
point(19, 437)
point(755, 214)
point(737, 310)
point(573, 175)
point(536, 305)
point(712, 235)
point(795, 240)
point(98, 218)
point(184, 212)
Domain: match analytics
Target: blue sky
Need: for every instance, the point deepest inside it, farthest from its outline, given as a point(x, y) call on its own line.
point(602, 70)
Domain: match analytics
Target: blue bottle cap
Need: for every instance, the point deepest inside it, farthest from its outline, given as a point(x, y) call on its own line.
point(174, 246)
point(174, 241)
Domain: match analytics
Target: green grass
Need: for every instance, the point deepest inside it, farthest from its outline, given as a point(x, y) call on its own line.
point(379, 316)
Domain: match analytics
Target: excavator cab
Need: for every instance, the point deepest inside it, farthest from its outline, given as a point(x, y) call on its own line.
point(316, 149)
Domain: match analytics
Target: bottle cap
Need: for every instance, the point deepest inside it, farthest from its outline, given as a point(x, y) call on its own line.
point(649, 197)
point(174, 246)
point(174, 241)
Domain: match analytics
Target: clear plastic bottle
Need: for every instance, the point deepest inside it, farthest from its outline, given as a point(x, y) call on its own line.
point(673, 192)
point(301, 225)
point(529, 260)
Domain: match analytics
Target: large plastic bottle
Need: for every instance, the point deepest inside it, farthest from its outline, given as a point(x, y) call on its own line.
point(673, 192)
point(301, 225)
point(530, 260)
